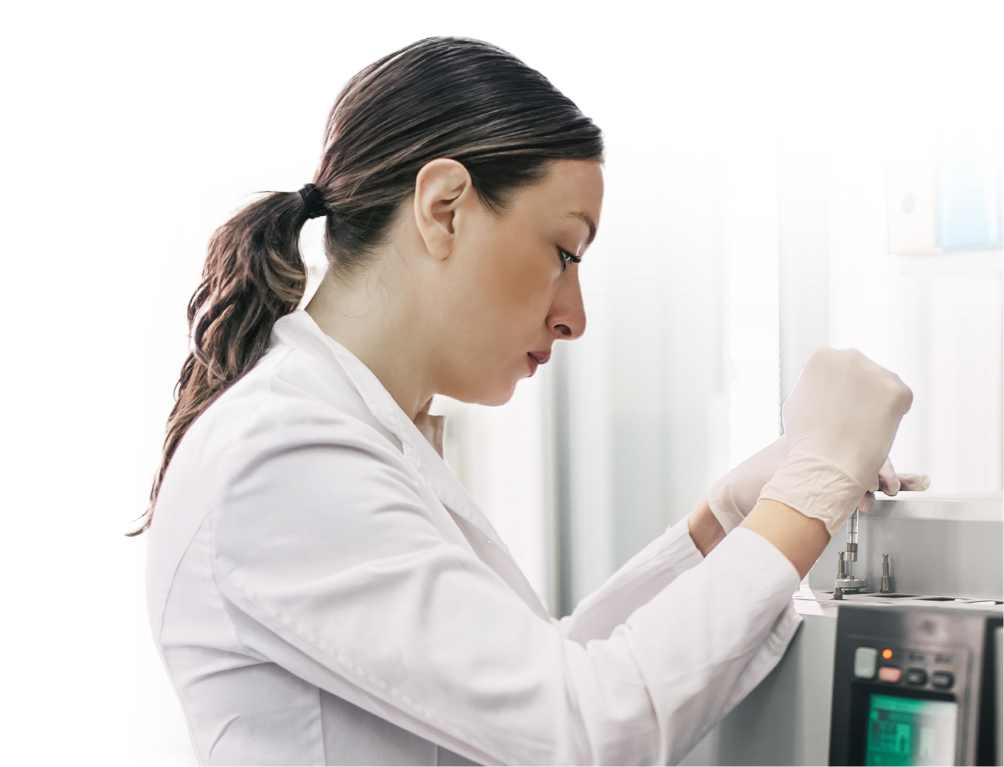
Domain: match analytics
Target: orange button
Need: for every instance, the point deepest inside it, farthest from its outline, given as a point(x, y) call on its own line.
point(887, 653)
point(889, 674)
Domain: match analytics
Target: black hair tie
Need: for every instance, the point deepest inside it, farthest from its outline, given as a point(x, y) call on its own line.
point(313, 203)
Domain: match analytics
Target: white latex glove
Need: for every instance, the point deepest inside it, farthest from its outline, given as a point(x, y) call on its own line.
point(733, 496)
point(839, 423)
point(890, 483)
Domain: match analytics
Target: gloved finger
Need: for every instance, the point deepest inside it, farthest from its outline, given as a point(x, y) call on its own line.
point(888, 481)
point(867, 503)
point(914, 481)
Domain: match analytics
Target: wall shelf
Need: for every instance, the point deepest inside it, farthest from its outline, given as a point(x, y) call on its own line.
point(986, 263)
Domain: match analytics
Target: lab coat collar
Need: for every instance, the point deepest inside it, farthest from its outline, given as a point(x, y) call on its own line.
point(295, 329)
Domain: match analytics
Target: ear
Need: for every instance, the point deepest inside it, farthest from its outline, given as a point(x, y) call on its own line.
point(441, 189)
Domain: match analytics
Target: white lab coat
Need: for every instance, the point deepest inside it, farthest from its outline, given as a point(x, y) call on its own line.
point(322, 590)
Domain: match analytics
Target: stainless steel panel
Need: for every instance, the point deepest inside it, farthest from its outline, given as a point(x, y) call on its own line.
point(945, 546)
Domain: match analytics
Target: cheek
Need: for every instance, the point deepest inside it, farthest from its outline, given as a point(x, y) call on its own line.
point(518, 283)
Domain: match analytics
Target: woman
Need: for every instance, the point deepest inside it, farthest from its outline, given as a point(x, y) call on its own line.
point(320, 586)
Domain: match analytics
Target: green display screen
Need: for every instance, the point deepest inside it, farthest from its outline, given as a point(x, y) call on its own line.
point(910, 731)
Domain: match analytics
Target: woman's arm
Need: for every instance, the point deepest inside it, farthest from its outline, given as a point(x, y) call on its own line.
point(648, 572)
point(800, 538)
point(705, 529)
point(335, 570)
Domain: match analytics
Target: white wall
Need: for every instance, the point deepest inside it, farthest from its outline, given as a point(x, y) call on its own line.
point(934, 319)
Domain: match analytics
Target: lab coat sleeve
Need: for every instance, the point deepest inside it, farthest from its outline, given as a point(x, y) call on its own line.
point(331, 567)
point(642, 577)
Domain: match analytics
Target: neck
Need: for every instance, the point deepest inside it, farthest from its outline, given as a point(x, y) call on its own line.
point(375, 318)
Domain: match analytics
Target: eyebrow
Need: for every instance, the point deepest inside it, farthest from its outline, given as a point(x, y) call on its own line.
point(588, 221)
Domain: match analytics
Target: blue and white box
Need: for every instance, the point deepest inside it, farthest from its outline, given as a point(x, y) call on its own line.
point(945, 187)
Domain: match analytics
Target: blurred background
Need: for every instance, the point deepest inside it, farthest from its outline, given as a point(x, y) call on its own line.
point(779, 176)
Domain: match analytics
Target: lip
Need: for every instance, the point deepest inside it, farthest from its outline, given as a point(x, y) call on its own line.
point(541, 357)
point(536, 359)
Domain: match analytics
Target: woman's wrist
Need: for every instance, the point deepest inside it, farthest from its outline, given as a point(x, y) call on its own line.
point(800, 538)
point(733, 496)
point(816, 487)
point(705, 530)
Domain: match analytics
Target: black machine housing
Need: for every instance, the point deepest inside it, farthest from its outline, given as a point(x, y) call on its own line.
point(945, 658)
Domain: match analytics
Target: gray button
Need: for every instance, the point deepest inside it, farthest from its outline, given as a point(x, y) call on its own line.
point(942, 679)
point(865, 660)
point(916, 676)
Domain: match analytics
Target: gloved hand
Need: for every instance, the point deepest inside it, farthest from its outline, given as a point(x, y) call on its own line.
point(733, 496)
point(839, 423)
point(890, 483)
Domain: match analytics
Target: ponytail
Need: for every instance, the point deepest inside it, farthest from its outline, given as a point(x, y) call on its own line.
point(254, 274)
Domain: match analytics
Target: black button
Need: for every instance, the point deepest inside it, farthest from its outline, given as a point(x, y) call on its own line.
point(943, 679)
point(916, 676)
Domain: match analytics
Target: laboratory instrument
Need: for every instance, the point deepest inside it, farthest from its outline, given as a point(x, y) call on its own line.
point(904, 668)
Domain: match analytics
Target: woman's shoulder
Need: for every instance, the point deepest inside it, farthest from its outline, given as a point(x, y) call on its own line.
point(286, 401)
point(276, 440)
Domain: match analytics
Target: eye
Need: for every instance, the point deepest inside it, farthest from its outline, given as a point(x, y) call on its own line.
point(567, 258)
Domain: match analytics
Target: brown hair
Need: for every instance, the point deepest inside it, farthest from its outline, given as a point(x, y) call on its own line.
point(440, 97)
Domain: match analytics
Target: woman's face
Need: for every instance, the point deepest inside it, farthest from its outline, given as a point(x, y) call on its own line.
point(514, 286)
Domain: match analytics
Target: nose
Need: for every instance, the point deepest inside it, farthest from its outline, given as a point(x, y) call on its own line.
point(567, 317)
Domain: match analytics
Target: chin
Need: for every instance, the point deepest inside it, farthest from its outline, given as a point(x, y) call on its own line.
point(498, 397)
point(489, 395)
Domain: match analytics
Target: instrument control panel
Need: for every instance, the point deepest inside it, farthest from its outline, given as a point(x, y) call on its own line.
point(914, 686)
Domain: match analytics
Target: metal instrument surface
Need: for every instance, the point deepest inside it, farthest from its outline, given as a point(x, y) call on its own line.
point(937, 546)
